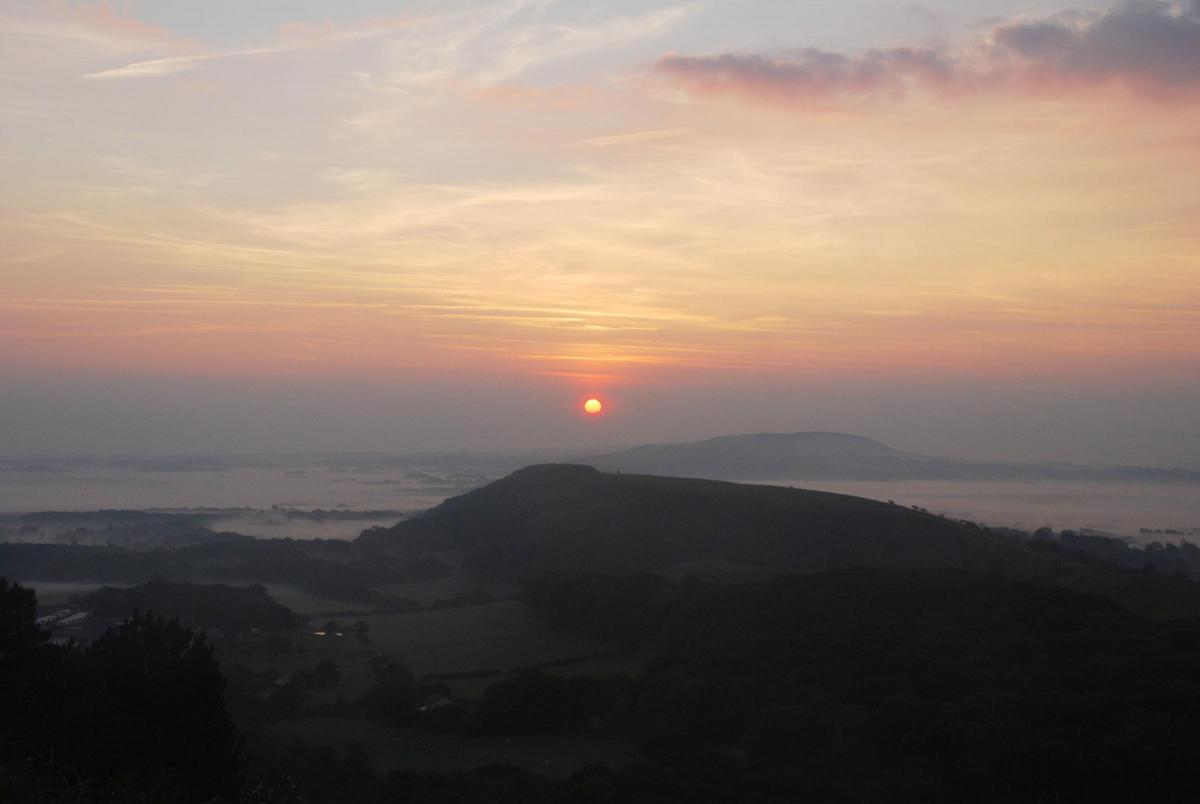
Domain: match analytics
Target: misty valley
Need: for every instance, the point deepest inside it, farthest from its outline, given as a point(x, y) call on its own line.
point(566, 634)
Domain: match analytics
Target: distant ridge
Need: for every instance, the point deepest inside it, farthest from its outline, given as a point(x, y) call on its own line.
point(841, 456)
point(560, 516)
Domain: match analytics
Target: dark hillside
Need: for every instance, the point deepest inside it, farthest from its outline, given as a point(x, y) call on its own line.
point(551, 517)
point(886, 686)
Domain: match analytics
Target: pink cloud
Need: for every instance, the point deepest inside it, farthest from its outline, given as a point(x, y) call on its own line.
point(96, 24)
point(811, 73)
point(1151, 48)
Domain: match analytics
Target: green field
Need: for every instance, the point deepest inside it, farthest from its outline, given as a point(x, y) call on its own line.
point(357, 675)
point(392, 748)
point(493, 636)
point(306, 603)
point(428, 592)
point(499, 637)
point(1152, 596)
point(313, 605)
point(58, 593)
point(630, 664)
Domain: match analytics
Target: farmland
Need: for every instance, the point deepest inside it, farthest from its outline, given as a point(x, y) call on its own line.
point(467, 639)
point(393, 748)
point(308, 604)
point(471, 647)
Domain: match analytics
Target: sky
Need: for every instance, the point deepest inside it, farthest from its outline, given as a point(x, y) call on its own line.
point(293, 226)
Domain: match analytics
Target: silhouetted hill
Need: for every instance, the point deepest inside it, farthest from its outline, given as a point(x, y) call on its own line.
point(559, 516)
point(772, 455)
point(839, 456)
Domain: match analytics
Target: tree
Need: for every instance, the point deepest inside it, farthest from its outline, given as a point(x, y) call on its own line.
point(30, 670)
point(137, 715)
point(19, 632)
point(277, 644)
point(159, 708)
point(327, 674)
point(392, 696)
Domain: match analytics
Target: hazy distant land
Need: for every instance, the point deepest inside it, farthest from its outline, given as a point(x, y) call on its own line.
point(841, 456)
point(241, 493)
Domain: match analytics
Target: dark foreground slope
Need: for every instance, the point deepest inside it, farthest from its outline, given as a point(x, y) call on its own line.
point(890, 686)
point(553, 517)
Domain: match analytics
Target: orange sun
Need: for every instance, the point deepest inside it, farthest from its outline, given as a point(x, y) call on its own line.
point(593, 406)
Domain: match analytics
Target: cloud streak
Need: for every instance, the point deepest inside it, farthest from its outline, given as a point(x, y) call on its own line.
point(639, 136)
point(1151, 48)
point(500, 177)
point(176, 64)
point(492, 44)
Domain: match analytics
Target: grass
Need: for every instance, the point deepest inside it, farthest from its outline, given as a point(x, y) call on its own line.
point(728, 571)
point(307, 604)
point(392, 748)
point(356, 675)
point(631, 664)
point(499, 636)
point(313, 605)
point(427, 592)
point(1152, 596)
point(493, 636)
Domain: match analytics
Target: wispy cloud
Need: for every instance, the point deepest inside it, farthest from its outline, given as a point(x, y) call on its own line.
point(501, 41)
point(639, 136)
point(489, 44)
point(175, 64)
point(502, 180)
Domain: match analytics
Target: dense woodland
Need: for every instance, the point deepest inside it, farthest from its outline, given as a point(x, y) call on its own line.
point(228, 608)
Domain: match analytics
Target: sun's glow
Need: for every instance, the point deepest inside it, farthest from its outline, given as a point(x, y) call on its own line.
point(593, 406)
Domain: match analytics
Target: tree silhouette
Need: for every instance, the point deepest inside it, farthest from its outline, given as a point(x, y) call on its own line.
point(327, 674)
point(159, 696)
point(137, 715)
